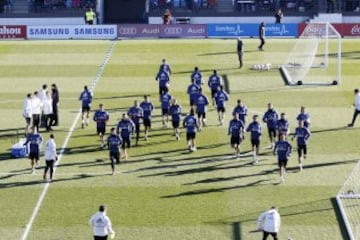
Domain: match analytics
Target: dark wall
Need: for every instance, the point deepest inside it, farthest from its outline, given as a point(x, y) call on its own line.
point(124, 11)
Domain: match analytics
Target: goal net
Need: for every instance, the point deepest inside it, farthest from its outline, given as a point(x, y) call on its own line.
point(348, 200)
point(315, 57)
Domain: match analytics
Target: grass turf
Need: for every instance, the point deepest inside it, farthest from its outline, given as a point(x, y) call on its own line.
point(162, 191)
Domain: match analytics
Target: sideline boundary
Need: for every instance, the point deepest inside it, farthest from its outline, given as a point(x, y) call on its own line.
point(61, 153)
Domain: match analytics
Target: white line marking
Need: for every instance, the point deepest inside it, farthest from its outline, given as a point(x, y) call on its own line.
point(47, 185)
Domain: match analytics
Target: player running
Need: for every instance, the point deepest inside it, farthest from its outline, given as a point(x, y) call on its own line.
point(191, 124)
point(214, 83)
point(35, 140)
point(221, 97)
point(270, 118)
point(164, 66)
point(164, 81)
point(201, 103)
point(197, 78)
point(86, 99)
point(302, 134)
point(304, 116)
point(101, 117)
point(125, 128)
point(236, 131)
point(136, 113)
point(175, 112)
point(282, 125)
point(255, 134)
point(147, 108)
point(241, 109)
point(283, 151)
point(165, 105)
point(193, 90)
point(114, 142)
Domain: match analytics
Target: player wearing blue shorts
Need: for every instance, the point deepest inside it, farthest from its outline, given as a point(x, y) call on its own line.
point(147, 108)
point(214, 83)
point(255, 134)
point(302, 134)
point(201, 103)
point(283, 151)
point(34, 140)
point(175, 112)
point(165, 100)
point(236, 131)
point(191, 124)
point(86, 99)
point(114, 142)
point(125, 128)
point(101, 117)
point(221, 97)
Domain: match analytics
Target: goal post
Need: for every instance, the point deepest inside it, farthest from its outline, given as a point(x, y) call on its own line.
point(348, 201)
point(315, 58)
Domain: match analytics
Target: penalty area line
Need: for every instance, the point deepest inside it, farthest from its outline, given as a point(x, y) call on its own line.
point(63, 147)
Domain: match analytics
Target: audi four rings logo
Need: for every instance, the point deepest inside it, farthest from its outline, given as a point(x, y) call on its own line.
point(128, 30)
point(173, 30)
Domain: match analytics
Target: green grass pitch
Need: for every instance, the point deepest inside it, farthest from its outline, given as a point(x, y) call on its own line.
point(162, 191)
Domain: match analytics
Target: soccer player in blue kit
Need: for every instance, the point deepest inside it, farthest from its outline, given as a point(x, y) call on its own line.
point(236, 131)
point(270, 118)
point(136, 113)
point(114, 142)
point(191, 124)
point(201, 102)
point(282, 125)
point(197, 77)
point(193, 90)
point(175, 112)
point(304, 116)
point(241, 109)
point(35, 140)
point(164, 82)
point(101, 117)
point(283, 151)
point(221, 97)
point(164, 66)
point(147, 108)
point(214, 83)
point(125, 128)
point(255, 134)
point(165, 100)
point(86, 99)
point(302, 134)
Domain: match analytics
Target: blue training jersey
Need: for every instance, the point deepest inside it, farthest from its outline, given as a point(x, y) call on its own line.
point(101, 117)
point(86, 98)
point(175, 112)
point(163, 78)
point(236, 127)
point(125, 128)
point(193, 90)
point(282, 125)
point(241, 110)
point(305, 117)
point(114, 141)
point(214, 82)
point(302, 134)
point(165, 100)
point(271, 117)
point(35, 141)
point(255, 130)
point(147, 108)
point(165, 67)
point(197, 77)
point(190, 123)
point(221, 97)
point(201, 103)
point(135, 114)
point(283, 149)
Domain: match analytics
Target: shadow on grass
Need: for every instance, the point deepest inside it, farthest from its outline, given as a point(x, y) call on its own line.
point(37, 182)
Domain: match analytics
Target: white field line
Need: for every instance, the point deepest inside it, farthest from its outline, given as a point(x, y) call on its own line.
point(47, 185)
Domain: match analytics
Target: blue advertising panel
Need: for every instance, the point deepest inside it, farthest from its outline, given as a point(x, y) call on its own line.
point(251, 30)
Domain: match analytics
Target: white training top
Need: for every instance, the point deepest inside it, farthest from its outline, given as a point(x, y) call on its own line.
point(357, 101)
point(47, 105)
point(42, 95)
point(36, 105)
point(101, 224)
point(269, 221)
point(27, 111)
point(50, 150)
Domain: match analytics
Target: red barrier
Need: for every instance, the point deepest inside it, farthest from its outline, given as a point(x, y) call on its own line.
point(12, 32)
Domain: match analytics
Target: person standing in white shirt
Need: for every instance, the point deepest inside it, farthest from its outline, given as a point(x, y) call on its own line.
point(42, 97)
point(269, 223)
point(48, 111)
point(50, 156)
point(356, 106)
point(27, 112)
point(101, 224)
point(36, 110)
